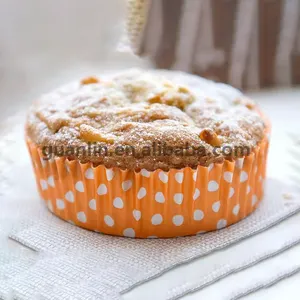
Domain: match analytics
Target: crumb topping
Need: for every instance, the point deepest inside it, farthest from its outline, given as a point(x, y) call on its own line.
point(141, 109)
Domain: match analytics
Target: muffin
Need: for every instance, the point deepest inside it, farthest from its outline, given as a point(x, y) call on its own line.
point(148, 154)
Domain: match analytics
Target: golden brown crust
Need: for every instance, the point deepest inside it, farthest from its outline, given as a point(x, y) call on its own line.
point(137, 120)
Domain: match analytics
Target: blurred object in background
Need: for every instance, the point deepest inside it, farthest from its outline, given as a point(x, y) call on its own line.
point(136, 16)
point(247, 43)
point(44, 44)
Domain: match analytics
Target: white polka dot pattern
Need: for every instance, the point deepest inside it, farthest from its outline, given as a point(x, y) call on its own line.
point(89, 173)
point(221, 224)
point(70, 196)
point(51, 181)
point(195, 176)
point(44, 184)
point(178, 198)
point(81, 217)
point(159, 197)
point(228, 176)
point(163, 177)
point(198, 215)
point(79, 186)
point(239, 163)
point(60, 204)
point(216, 206)
point(179, 177)
point(118, 203)
point(129, 232)
point(126, 185)
point(236, 209)
point(178, 220)
point(156, 219)
point(109, 221)
point(102, 189)
point(93, 204)
point(243, 176)
point(196, 194)
point(109, 174)
point(248, 189)
point(145, 173)
point(137, 214)
point(212, 186)
point(142, 193)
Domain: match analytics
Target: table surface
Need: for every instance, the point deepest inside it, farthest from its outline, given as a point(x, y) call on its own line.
point(282, 107)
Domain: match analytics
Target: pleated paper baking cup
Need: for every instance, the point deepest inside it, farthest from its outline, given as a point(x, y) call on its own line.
point(151, 204)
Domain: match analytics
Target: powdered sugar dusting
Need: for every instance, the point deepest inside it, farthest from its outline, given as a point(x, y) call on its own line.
point(136, 108)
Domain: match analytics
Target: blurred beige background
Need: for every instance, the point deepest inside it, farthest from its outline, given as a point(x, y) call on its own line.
point(44, 44)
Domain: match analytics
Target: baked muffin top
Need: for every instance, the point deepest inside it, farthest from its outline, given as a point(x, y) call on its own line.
point(146, 120)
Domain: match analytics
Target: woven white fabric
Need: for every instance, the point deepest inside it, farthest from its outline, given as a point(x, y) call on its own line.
point(257, 277)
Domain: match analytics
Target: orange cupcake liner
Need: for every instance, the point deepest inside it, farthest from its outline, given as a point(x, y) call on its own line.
point(148, 204)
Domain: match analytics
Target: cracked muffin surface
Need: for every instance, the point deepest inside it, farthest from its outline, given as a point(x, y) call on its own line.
point(146, 120)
